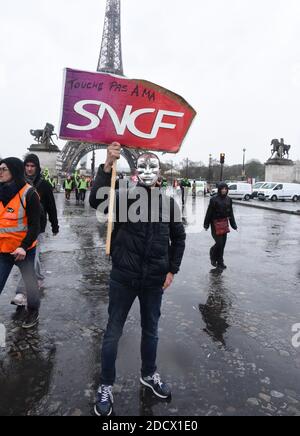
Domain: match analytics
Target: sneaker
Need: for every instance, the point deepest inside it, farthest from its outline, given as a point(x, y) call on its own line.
point(20, 300)
point(159, 388)
point(222, 266)
point(31, 319)
point(104, 401)
point(19, 314)
point(41, 285)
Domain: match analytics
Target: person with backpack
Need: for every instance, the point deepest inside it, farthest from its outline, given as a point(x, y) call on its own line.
point(19, 230)
point(33, 176)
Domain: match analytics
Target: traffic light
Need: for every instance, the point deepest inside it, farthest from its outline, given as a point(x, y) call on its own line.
point(222, 158)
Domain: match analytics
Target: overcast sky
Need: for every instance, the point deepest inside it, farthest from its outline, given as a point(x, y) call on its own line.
point(236, 61)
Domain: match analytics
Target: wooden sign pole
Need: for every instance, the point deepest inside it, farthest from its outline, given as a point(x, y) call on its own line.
point(111, 208)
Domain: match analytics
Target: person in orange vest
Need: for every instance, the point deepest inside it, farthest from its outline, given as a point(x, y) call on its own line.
point(19, 229)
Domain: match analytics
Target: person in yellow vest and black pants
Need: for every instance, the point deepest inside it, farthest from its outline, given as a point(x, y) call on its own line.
point(68, 187)
point(19, 229)
point(83, 187)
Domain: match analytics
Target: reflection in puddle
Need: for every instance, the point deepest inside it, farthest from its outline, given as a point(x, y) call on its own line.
point(216, 311)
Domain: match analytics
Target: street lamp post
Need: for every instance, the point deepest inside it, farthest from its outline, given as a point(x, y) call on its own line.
point(187, 168)
point(93, 163)
point(210, 170)
point(244, 161)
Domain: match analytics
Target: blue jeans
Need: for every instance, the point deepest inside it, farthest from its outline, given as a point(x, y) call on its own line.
point(121, 299)
point(21, 288)
point(26, 266)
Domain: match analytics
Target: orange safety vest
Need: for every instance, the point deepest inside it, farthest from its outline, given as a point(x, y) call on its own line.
point(13, 222)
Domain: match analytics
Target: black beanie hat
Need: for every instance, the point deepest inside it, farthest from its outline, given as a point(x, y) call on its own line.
point(33, 158)
point(16, 168)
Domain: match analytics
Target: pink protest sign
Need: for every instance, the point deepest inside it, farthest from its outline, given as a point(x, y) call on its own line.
point(102, 108)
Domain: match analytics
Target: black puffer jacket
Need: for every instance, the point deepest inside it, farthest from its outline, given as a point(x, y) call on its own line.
point(45, 191)
point(143, 253)
point(220, 207)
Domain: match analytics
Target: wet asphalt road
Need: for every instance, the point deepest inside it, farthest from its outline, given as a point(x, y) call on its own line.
point(226, 339)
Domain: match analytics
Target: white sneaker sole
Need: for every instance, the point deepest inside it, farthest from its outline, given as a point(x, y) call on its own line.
point(14, 303)
point(164, 397)
point(98, 414)
point(30, 326)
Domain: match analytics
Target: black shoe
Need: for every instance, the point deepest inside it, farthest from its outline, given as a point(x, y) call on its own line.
point(31, 320)
point(212, 260)
point(222, 266)
point(159, 388)
point(19, 314)
point(104, 401)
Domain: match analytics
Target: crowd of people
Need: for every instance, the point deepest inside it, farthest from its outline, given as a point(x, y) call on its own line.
point(146, 255)
point(78, 184)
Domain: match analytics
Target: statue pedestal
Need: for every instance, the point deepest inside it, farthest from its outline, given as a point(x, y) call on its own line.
point(280, 170)
point(48, 158)
point(297, 172)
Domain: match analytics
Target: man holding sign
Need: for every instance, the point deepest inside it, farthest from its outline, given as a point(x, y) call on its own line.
point(148, 240)
point(147, 249)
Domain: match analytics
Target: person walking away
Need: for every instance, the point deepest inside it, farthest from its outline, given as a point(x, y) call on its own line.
point(19, 230)
point(219, 215)
point(33, 176)
point(145, 258)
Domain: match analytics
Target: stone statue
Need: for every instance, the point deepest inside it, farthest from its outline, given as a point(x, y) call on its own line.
point(280, 150)
point(44, 137)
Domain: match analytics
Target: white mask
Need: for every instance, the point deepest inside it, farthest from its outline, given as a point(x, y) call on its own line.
point(148, 168)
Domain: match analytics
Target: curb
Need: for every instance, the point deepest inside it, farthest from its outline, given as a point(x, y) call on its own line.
point(272, 209)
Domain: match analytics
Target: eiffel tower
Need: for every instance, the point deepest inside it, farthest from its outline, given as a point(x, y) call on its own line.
point(110, 61)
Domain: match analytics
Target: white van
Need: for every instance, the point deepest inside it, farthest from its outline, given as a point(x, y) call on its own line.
point(279, 191)
point(240, 191)
point(256, 188)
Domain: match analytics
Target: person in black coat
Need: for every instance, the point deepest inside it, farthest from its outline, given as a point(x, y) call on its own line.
point(33, 176)
point(219, 212)
point(147, 250)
